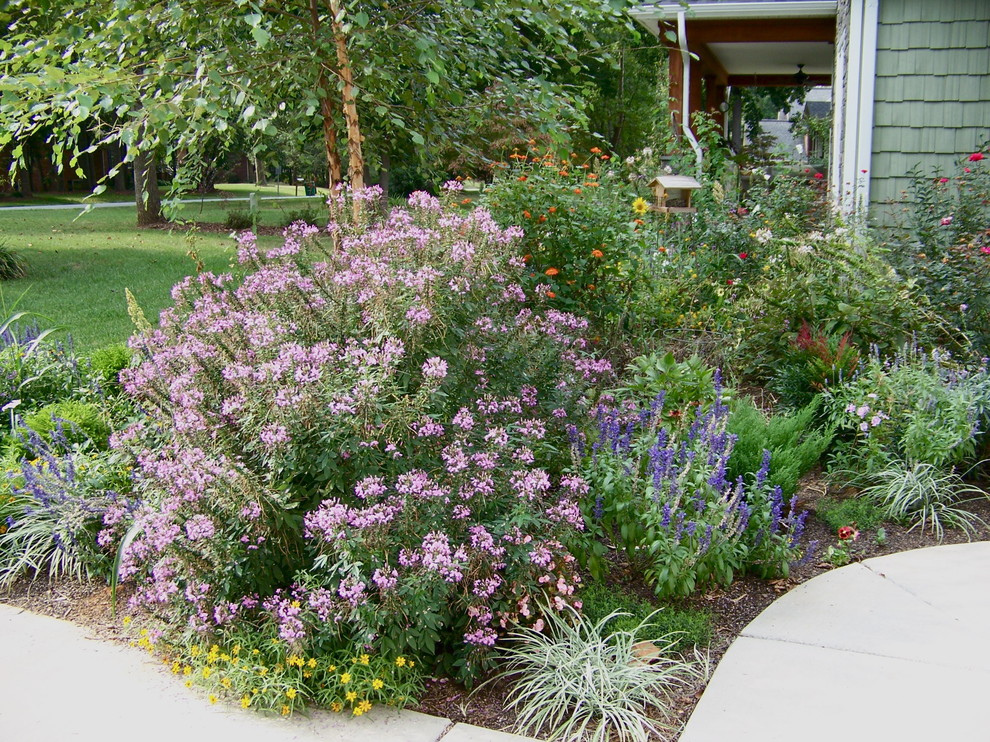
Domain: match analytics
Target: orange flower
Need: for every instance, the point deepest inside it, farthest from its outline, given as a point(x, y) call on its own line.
point(563, 172)
point(592, 185)
point(551, 271)
point(551, 295)
point(592, 176)
point(571, 283)
point(577, 190)
point(606, 157)
point(527, 215)
point(596, 151)
point(597, 254)
point(591, 287)
point(543, 218)
point(522, 178)
point(552, 210)
point(661, 249)
point(527, 258)
point(459, 178)
point(640, 222)
point(465, 202)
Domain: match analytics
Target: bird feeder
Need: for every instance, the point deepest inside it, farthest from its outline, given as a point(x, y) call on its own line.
point(673, 194)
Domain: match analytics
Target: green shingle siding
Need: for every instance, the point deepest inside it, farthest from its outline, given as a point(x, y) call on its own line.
point(932, 89)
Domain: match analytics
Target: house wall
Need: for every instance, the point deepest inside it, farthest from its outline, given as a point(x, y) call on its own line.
point(932, 95)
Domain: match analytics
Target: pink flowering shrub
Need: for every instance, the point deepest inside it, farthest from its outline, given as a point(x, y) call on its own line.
point(361, 439)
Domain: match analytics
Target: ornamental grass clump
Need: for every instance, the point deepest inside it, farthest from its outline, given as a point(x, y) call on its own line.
point(362, 440)
point(578, 680)
point(663, 494)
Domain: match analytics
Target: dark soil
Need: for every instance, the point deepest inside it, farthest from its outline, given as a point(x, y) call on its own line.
point(732, 608)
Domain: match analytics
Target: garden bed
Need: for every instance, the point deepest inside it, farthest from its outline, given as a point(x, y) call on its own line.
point(732, 608)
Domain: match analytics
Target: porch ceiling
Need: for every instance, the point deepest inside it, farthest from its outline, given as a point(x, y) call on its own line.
point(774, 58)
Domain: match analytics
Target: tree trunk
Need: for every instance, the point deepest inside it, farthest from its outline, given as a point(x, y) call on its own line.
point(355, 165)
point(260, 176)
point(335, 171)
point(385, 175)
point(24, 179)
point(146, 194)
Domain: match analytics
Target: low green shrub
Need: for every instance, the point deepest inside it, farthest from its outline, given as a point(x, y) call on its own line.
point(859, 511)
point(79, 422)
point(238, 219)
point(107, 363)
point(794, 444)
point(684, 627)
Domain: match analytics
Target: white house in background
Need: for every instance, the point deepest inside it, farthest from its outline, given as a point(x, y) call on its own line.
point(910, 78)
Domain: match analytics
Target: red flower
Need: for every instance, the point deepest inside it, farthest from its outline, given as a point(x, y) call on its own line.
point(967, 170)
point(552, 209)
point(597, 254)
point(976, 157)
point(943, 180)
point(743, 255)
point(818, 176)
point(847, 533)
point(730, 281)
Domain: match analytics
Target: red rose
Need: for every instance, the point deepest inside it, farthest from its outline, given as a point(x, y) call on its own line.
point(818, 176)
point(976, 157)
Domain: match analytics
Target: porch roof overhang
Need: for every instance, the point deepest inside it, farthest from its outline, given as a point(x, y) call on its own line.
point(752, 43)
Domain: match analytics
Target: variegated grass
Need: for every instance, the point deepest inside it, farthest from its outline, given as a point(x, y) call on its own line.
point(576, 680)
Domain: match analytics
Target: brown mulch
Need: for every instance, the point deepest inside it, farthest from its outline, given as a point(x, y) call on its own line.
point(732, 608)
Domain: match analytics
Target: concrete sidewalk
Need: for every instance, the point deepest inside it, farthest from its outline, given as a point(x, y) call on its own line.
point(894, 648)
point(59, 683)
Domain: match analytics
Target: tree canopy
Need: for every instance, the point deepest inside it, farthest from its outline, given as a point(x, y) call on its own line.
point(168, 77)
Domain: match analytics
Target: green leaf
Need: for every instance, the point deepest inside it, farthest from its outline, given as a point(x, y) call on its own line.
point(433, 77)
point(417, 137)
point(261, 36)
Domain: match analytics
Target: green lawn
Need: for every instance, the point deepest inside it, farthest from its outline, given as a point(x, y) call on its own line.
point(77, 270)
point(233, 190)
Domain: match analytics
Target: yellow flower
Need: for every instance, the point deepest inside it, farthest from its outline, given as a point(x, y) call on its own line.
point(350, 695)
point(336, 706)
point(245, 701)
point(312, 663)
point(400, 661)
point(412, 664)
point(357, 711)
point(213, 698)
point(332, 668)
point(226, 682)
point(640, 206)
point(194, 651)
point(285, 711)
point(206, 673)
point(364, 659)
point(345, 678)
point(176, 667)
point(236, 650)
point(127, 620)
point(365, 706)
point(377, 684)
point(187, 670)
point(189, 684)
point(290, 693)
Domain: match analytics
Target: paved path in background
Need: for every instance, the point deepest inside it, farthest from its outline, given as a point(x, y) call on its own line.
point(95, 205)
point(894, 648)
